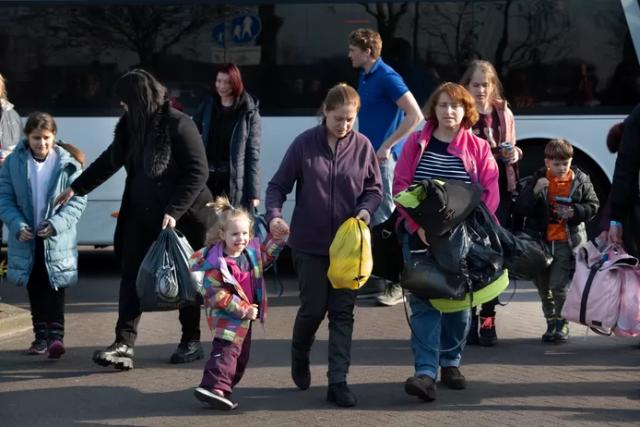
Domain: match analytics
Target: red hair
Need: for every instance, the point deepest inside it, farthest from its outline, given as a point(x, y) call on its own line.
point(235, 78)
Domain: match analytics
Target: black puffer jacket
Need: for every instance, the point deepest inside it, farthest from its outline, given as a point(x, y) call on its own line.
point(244, 148)
point(536, 209)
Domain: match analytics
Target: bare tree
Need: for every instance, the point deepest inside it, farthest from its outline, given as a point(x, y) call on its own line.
point(457, 29)
point(387, 15)
point(147, 31)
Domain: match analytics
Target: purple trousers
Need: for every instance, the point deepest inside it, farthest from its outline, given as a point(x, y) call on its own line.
point(226, 365)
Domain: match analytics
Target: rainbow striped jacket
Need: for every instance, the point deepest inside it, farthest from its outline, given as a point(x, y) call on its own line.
point(225, 303)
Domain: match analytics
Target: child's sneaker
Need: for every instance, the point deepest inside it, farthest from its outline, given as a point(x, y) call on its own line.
point(38, 346)
point(550, 334)
point(216, 399)
point(562, 331)
point(487, 336)
point(56, 349)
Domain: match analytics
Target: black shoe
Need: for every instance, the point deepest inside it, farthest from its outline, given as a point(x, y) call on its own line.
point(214, 400)
point(340, 394)
point(117, 354)
point(562, 331)
point(421, 386)
point(187, 352)
point(487, 336)
point(550, 334)
point(472, 337)
point(453, 378)
point(300, 373)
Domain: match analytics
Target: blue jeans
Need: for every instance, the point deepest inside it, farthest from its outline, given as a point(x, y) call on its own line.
point(437, 338)
point(387, 205)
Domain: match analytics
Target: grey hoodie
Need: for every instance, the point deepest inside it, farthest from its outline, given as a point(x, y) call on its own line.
point(10, 125)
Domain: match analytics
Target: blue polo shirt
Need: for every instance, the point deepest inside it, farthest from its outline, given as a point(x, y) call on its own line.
point(379, 89)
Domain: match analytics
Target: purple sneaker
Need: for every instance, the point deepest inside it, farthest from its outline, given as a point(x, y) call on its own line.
point(56, 349)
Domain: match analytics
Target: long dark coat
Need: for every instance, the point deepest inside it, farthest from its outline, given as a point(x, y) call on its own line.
point(174, 158)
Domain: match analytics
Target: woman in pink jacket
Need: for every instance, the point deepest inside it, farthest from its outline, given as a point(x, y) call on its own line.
point(445, 148)
point(497, 126)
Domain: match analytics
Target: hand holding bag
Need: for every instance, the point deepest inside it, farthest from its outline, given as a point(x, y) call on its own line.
point(164, 280)
point(350, 260)
point(593, 298)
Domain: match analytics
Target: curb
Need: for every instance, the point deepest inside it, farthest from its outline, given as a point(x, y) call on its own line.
point(13, 320)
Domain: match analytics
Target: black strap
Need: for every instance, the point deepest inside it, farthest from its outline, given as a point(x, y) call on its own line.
point(585, 292)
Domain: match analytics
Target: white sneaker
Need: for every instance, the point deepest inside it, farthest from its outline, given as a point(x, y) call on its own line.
point(392, 295)
point(214, 400)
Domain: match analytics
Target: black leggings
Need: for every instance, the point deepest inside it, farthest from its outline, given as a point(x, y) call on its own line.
point(47, 303)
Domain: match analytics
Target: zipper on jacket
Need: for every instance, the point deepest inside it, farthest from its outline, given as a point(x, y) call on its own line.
point(332, 180)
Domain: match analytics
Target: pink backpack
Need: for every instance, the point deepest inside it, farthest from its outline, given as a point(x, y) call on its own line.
point(629, 315)
point(593, 299)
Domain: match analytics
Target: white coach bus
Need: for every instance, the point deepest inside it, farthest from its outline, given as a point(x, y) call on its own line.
point(569, 67)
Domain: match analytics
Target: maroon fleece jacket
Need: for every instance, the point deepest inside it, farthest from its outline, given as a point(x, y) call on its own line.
point(330, 187)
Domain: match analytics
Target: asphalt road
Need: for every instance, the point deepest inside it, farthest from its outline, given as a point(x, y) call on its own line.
point(592, 380)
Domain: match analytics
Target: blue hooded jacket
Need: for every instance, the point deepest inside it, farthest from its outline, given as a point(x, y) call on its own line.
point(16, 211)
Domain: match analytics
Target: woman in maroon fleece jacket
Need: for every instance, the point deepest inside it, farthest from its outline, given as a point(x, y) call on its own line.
point(336, 174)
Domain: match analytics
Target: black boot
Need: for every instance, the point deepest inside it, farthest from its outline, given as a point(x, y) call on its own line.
point(487, 336)
point(187, 352)
point(300, 372)
point(117, 354)
point(340, 394)
point(550, 333)
point(562, 331)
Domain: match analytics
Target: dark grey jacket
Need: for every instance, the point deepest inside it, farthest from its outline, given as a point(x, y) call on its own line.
point(244, 149)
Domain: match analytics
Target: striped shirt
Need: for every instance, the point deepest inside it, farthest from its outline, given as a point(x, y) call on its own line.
point(436, 162)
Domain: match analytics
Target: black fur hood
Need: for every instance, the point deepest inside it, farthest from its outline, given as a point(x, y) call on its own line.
point(156, 154)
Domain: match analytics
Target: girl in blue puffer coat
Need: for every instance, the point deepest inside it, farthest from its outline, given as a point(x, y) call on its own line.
point(42, 247)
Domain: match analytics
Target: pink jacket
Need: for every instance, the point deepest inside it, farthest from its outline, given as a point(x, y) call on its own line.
point(474, 152)
point(507, 123)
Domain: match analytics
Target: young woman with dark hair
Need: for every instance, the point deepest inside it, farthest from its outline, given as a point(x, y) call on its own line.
point(229, 122)
point(164, 159)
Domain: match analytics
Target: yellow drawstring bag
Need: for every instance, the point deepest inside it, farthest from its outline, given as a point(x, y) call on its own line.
point(350, 260)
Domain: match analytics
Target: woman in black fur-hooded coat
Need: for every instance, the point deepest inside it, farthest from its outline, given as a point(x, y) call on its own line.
point(163, 156)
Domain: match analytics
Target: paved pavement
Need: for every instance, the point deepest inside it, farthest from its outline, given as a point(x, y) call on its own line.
point(592, 380)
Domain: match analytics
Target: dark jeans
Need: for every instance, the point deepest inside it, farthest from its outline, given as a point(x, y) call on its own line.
point(140, 230)
point(47, 304)
point(226, 365)
point(317, 297)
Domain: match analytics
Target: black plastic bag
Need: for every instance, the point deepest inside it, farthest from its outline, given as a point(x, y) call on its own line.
point(424, 277)
point(164, 280)
point(525, 256)
point(386, 250)
point(485, 257)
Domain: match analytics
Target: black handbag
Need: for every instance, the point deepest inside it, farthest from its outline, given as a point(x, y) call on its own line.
point(423, 277)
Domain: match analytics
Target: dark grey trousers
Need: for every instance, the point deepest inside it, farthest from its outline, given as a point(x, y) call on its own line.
point(317, 297)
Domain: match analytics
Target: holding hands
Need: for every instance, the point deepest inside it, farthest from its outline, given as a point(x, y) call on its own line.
point(278, 228)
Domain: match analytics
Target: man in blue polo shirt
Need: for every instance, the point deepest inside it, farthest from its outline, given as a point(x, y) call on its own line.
point(388, 114)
